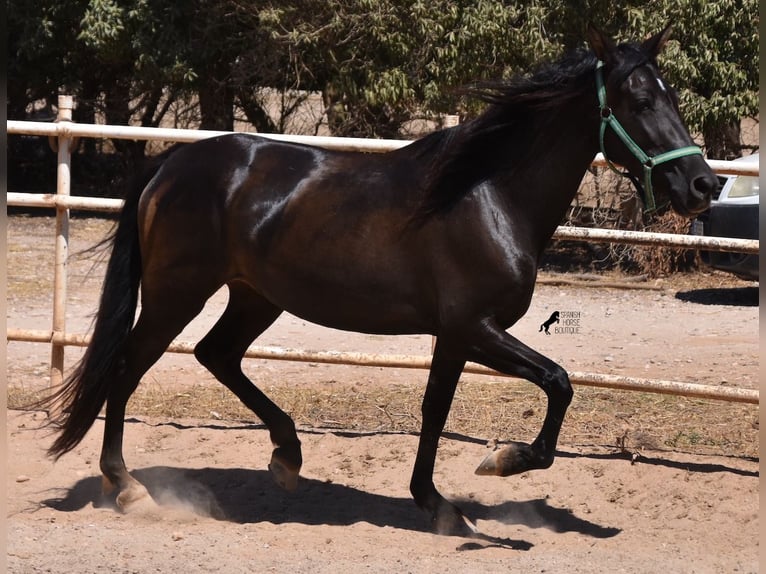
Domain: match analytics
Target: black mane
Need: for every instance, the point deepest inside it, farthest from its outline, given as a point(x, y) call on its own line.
point(455, 158)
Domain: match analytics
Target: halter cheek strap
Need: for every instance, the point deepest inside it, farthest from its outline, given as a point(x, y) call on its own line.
point(648, 162)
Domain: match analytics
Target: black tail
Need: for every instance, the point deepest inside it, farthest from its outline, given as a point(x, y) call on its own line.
point(85, 391)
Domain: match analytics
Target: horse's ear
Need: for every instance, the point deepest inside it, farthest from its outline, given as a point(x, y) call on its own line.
point(654, 45)
point(601, 44)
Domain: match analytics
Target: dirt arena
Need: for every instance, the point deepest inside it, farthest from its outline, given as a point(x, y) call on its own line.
point(642, 483)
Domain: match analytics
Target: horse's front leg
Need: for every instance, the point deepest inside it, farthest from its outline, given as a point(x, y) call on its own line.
point(445, 517)
point(498, 350)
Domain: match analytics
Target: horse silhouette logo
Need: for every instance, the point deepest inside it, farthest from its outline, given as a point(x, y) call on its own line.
point(554, 318)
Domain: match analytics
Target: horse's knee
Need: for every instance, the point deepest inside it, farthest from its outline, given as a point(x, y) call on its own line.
point(558, 386)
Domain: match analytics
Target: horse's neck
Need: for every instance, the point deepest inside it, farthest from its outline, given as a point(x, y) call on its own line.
point(559, 156)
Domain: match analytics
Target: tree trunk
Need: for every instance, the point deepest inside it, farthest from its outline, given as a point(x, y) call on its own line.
point(118, 112)
point(256, 115)
point(216, 104)
point(723, 140)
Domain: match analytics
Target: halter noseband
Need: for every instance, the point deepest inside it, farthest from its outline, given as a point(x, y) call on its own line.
point(649, 162)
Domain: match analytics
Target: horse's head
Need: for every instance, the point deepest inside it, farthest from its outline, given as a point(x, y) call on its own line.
point(641, 128)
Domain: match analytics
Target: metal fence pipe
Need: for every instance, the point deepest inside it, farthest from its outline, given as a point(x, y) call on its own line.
point(562, 232)
point(329, 142)
point(65, 106)
point(731, 394)
point(649, 238)
point(17, 199)
point(187, 136)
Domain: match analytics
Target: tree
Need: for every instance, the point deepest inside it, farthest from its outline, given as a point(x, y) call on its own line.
point(95, 50)
point(38, 35)
point(376, 63)
point(379, 63)
point(715, 60)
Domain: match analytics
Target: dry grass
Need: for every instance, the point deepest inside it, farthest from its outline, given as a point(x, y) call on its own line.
point(659, 260)
point(483, 409)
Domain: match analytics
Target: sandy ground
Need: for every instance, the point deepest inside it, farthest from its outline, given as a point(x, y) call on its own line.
point(217, 509)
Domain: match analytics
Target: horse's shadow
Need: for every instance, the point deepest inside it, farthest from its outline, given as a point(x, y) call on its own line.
point(249, 496)
point(731, 296)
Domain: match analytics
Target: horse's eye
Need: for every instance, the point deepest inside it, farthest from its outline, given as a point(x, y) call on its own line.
point(643, 105)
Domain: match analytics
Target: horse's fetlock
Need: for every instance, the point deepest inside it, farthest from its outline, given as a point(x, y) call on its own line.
point(545, 459)
point(421, 491)
point(109, 469)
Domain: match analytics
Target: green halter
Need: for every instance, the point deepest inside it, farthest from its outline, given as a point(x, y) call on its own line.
point(608, 119)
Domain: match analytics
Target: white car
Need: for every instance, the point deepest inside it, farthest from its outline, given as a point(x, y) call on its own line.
point(734, 213)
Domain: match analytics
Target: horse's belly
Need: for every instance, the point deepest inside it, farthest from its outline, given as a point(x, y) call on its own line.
point(351, 305)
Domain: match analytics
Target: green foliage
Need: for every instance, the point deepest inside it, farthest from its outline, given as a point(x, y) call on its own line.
point(714, 59)
point(377, 63)
point(103, 25)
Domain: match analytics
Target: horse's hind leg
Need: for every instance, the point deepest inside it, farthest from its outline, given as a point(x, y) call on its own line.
point(155, 329)
point(246, 316)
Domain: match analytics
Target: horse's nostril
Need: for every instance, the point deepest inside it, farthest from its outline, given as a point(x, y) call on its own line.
point(704, 185)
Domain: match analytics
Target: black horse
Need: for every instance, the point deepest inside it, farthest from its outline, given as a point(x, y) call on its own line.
point(442, 237)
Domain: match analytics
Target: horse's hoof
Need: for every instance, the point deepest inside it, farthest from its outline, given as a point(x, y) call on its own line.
point(130, 495)
point(107, 487)
point(491, 465)
point(285, 476)
point(459, 526)
point(513, 459)
point(449, 521)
